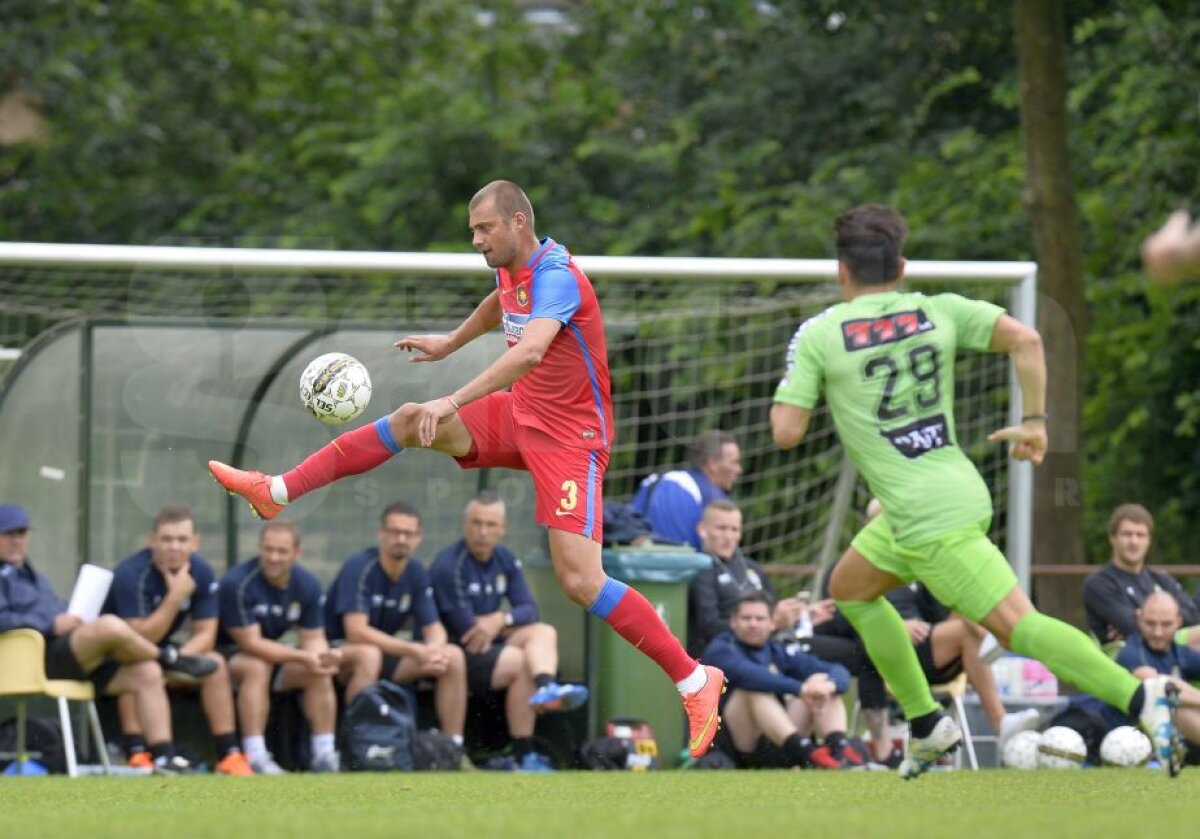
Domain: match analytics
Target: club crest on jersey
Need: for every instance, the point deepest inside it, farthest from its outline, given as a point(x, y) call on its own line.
point(522, 295)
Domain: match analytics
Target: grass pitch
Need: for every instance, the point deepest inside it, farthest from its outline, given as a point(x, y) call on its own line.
point(1099, 802)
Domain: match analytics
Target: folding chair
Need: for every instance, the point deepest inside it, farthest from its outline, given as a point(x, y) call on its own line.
point(950, 696)
point(23, 674)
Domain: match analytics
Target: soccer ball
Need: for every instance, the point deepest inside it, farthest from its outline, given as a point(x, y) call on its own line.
point(1125, 746)
point(1021, 750)
point(1061, 748)
point(335, 388)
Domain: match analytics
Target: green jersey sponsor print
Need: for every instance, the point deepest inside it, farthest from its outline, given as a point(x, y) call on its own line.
point(885, 362)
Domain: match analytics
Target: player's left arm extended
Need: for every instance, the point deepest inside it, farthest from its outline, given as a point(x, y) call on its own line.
point(1024, 346)
point(514, 363)
point(789, 424)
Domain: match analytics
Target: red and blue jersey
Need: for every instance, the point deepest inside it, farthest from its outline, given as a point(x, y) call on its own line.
point(568, 395)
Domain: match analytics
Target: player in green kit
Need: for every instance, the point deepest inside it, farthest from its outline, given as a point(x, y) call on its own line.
point(885, 361)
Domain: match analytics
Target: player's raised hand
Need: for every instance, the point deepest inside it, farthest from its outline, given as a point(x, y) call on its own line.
point(429, 347)
point(1026, 441)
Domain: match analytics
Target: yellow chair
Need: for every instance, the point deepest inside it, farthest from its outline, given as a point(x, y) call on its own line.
point(23, 674)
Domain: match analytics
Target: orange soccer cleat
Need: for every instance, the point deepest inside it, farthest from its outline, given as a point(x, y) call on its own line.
point(235, 764)
point(702, 712)
point(140, 760)
point(255, 487)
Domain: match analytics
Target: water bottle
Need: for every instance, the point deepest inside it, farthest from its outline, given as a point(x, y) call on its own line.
point(804, 627)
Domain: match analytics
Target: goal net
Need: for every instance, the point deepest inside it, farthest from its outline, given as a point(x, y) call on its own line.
point(694, 345)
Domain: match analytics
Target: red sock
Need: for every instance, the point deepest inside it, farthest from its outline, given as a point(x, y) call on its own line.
point(352, 453)
point(635, 620)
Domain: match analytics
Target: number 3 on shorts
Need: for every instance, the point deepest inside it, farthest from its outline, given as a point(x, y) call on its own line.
point(570, 496)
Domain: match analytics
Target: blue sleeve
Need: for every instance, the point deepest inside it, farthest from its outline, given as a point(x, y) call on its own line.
point(312, 603)
point(1132, 655)
point(454, 608)
point(424, 608)
point(19, 610)
point(744, 673)
point(350, 591)
point(674, 514)
point(233, 615)
point(123, 599)
point(204, 599)
point(1189, 663)
point(524, 608)
point(638, 502)
point(793, 661)
point(555, 294)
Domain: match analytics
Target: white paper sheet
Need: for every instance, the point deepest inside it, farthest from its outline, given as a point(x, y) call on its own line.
point(91, 588)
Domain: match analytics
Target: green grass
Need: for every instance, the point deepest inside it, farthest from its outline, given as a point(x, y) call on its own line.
point(742, 805)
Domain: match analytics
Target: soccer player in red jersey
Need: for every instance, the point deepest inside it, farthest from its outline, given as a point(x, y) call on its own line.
point(554, 422)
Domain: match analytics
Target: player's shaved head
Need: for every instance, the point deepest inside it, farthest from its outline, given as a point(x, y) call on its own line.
point(509, 200)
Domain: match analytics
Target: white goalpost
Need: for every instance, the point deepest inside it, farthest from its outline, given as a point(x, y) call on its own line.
point(694, 343)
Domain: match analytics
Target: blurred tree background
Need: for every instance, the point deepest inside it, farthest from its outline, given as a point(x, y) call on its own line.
point(656, 127)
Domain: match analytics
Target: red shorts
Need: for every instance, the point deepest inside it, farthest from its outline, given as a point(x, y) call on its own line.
point(567, 482)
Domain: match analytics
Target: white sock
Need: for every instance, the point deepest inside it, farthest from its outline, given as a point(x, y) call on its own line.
point(255, 748)
point(322, 744)
point(692, 683)
point(279, 490)
point(457, 738)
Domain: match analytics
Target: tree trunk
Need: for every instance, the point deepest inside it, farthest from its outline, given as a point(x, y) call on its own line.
point(1049, 199)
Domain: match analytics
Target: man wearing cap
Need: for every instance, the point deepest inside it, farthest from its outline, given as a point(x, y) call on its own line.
point(106, 651)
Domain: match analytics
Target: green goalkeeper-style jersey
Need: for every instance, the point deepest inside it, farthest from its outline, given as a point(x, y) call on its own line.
point(886, 364)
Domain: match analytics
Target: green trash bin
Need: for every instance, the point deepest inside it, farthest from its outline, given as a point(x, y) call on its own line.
point(624, 682)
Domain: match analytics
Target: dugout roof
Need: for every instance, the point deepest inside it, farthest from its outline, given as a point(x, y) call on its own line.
point(102, 422)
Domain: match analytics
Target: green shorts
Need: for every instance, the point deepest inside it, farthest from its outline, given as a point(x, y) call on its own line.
point(961, 568)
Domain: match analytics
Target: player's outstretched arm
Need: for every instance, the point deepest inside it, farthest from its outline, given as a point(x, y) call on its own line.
point(484, 319)
point(514, 363)
point(1172, 253)
point(1023, 344)
point(789, 424)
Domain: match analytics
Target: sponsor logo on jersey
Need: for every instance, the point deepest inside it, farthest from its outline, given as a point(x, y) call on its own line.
point(293, 612)
point(920, 437)
point(865, 333)
point(514, 327)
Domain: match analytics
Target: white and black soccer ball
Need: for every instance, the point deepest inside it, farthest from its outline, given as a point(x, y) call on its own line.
point(1126, 746)
point(335, 388)
point(1021, 750)
point(1061, 748)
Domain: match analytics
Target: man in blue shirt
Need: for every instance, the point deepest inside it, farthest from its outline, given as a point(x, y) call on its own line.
point(673, 501)
point(261, 600)
point(506, 649)
point(1153, 650)
point(382, 590)
point(106, 651)
point(780, 693)
point(167, 590)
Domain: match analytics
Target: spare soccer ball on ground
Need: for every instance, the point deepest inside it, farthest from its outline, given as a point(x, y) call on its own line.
point(1021, 750)
point(1125, 746)
point(1061, 748)
point(335, 388)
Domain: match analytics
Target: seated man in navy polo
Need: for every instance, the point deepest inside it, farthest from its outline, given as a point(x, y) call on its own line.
point(780, 693)
point(506, 649)
point(382, 590)
point(168, 594)
point(262, 600)
point(106, 651)
point(1153, 649)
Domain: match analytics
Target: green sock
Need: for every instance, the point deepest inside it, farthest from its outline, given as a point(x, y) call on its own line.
point(882, 631)
point(1073, 657)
